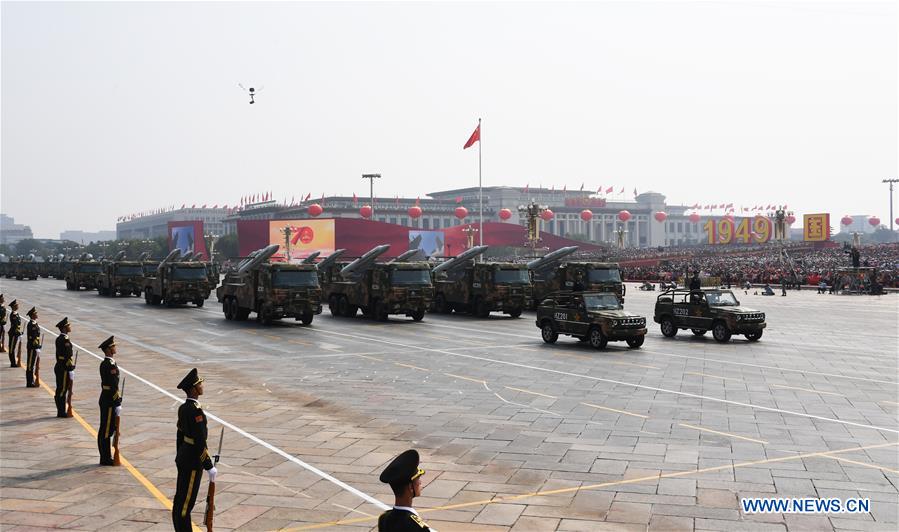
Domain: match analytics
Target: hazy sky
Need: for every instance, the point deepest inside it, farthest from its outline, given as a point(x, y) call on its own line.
point(112, 108)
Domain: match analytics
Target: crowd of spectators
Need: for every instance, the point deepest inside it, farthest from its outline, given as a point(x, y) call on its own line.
point(793, 265)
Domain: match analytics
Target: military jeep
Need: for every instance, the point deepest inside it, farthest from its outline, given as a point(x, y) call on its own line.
point(701, 311)
point(594, 317)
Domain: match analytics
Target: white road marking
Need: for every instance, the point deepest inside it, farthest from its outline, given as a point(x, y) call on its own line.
point(245, 434)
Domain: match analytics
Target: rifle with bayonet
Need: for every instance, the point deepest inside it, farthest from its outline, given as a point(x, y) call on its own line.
point(71, 384)
point(37, 362)
point(116, 459)
point(210, 495)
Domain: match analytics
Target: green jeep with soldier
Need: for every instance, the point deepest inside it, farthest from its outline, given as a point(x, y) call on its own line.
point(594, 317)
point(700, 311)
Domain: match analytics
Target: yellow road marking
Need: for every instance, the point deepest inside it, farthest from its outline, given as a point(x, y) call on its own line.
point(632, 364)
point(530, 392)
point(715, 376)
point(145, 482)
point(479, 381)
point(723, 433)
point(272, 337)
point(410, 366)
point(806, 390)
point(376, 359)
point(582, 357)
point(875, 466)
point(614, 410)
point(250, 331)
point(300, 342)
point(891, 402)
point(495, 500)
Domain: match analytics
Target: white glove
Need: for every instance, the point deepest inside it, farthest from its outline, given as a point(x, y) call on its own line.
point(72, 376)
point(212, 473)
point(118, 411)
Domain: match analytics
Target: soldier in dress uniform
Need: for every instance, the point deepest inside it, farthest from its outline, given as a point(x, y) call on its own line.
point(2, 325)
point(404, 477)
point(110, 400)
point(15, 331)
point(32, 350)
point(192, 455)
point(64, 368)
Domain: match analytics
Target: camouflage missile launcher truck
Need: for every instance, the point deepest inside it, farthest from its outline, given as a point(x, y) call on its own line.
point(119, 276)
point(479, 288)
point(83, 274)
point(271, 290)
point(378, 289)
point(175, 282)
point(552, 276)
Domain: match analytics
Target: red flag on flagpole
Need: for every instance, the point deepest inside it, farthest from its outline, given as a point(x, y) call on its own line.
point(622, 190)
point(582, 186)
point(527, 188)
point(417, 201)
point(475, 137)
point(564, 188)
point(635, 192)
point(609, 190)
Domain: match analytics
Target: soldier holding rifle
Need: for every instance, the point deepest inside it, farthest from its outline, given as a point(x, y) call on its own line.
point(33, 351)
point(15, 332)
point(192, 454)
point(110, 401)
point(64, 370)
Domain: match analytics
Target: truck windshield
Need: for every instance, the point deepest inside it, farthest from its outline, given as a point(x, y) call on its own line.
point(89, 268)
point(150, 269)
point(604, 276)
point(410, 277)
point(291, 279)
point(128, 271)
point(511, 277)
point(601, 302)
point(721, 299)
point(189, 274)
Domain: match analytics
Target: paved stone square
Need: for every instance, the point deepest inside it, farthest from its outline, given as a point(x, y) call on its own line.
point(514, 434)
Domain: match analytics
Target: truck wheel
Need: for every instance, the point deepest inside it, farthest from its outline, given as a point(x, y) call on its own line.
point(351, 311)
point(342, 307)
point(241, 313)
point(597, 339)
point(148, 297)
point(720, 332)
point(380, 311)
point(226, 309)
point(515, 312)
point(200, 303)
point(264, 316)
point(480, 308)
point(440, 305)
point(137, 293)
point(548, 332)
point(306, 318)
point(668, 328)
point(698, 332)
point(754, 336)
point(332, 305)
point(635, 342)
point(418, 315)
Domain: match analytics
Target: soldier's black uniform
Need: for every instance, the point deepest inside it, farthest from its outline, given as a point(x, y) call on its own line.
point(109, 399)
point(64, 364)
point(400, 519)
point(192, 455)
point(15, 332)
point(32, 349)
point(2, 325)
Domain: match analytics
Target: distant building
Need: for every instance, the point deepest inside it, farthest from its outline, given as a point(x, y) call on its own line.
point(156, 225)
point(86, 237)
point(11, 232)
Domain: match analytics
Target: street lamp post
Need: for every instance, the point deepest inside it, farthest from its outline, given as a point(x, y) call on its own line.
point(371, 187)
point(533, 211)
point(891, 181)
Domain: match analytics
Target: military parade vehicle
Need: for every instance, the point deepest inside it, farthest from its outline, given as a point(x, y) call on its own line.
point(273, 290)
point(479, 288)
point(550, 276)
point(543, 270)
point(83, 273)
point(26, 268)
point(716, 310)
point(378, 288)
point(594, 317)
point(175, 282)
point(119, 276)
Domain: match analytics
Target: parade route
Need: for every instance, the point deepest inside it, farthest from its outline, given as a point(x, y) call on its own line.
point(514, 434)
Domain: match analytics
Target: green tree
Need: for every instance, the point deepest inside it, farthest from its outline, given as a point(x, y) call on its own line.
point(226, 247)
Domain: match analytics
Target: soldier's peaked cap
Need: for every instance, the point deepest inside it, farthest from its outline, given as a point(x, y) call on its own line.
point(63, 323)
point(13, 303)
point(31, 312)
point(107, 343)
point(404, 468)
point(191, 380)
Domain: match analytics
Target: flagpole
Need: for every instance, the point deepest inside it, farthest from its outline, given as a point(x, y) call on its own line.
point(480, 186)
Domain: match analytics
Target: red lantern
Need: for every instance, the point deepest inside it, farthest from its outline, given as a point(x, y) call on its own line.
point(415, 212)
point(624, 216)
point(847, 220)
point(897, 220)
point(365, 211)
point(873, 221)
point(315, 209)
point(586, 215)
point(461, 212)
point(790, 219)
point(660, 216)
point(694, 217)
point(505, 214)
point(547, 215)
